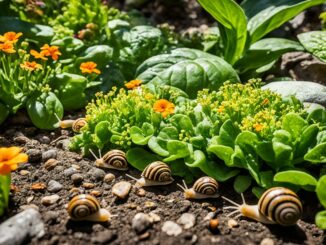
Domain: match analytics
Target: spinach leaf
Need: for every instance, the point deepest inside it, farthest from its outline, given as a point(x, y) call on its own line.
point(298, 178)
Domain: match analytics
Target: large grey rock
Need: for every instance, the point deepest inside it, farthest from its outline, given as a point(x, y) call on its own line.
point(304, 91)
point(16, 230)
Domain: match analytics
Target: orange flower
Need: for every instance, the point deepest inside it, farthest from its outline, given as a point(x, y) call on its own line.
point(220, 109)
point(9, 159)
point(30, 66)
point(89, 67)
point(258, 127)
point(163, 106)
point(7, 47)
point(38, 55)
point(52, 51)
point(265, 101)
point(10, 36)
point(133, 84)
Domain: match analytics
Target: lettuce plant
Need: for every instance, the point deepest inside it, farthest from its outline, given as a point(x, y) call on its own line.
point(320, 189)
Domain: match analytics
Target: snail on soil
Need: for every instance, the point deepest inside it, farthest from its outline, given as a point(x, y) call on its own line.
point(114, 159)
point(86, 207)
point(204, 187)
point(156, 173)
point(277, 205)
point(76, 125)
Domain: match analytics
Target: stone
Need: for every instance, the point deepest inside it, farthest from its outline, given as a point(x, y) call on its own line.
point(187, 220)
point(50, 217)
point(88, 185)
point(22, 226)
point(109, 178)
point(63, 144)
point(121, 189)
point(69, 171)
point(44, 139)
point(154, 217)
point(24, 172)
point(267, 241)
point(171, 228)
point(304, 91)
point(104, 237)
point(141, 192)
point(50, 164)
point(49, 200)
point(34, 155)
point(54, 186)
point(50, 154)
point(21, 139)
point(77, 178)
point(141, 222)
point(97, 174)
point(232, 223)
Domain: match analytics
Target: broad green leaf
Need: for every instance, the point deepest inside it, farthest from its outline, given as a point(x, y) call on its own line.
point(234, 31)
point(228, 134)
point(321, 190)
point(282, 136)
point(321, 137)
point(169, 133)
point(317, 154)
point(265, 151)
point(100, 54)
point(283, 154)
point(178, 149)
point(187, 69)
point(308, 139)
point(242, 183)
point(267, 15)
point(294, 124)
point(155, 146)
point(140, 158)
point(141, 136)
point(315, 43)
point(222, 152)
point(317, 115)
point(321, 220)
point(102, 133)
point(266, 179)
point(182, 122)
point(258, 191)
point(298, 178)
point(265, 51)
point(247, 142)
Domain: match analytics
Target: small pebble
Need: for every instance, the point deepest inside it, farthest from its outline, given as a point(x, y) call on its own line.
point(29, 199)
point(144, 236)
point(154, 217)
point(63, 144)
point(209, 216)
point(109, 178)
point(69, 171)
point(97, 174)
point(49, 200)
point(88, 185)
point(151, 205)
point(141, 192)
point(50, 154)
point(54, 186)
point(141, 222)
point(77, 178)
point(96, 193)
point(104, 237)
point(44, 139)
point(34, 155)
point(50, 164)
point(38, 186)
point(121, 189)
point(171, 228)
point(75, 166)
point(232, 223)
point(188, 220)
point(50, 217)
point(24, 172)
point(21, 139)
point(267, 241)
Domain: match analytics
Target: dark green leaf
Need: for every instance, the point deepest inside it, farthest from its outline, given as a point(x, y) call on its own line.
point(140, 158)
point(242, 183)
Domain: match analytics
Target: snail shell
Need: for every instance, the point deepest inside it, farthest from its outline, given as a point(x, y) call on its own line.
point(277, 205)
point(86, 207)
point(114, 159)
point(204, 187)
point(78, 124)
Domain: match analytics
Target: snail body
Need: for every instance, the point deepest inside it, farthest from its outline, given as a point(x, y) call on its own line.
point(86, 207)
point(114, 159)
point(204, 187)
point(277, 205)
point(156, 173)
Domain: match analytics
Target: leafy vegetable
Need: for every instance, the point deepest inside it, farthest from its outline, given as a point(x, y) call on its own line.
point(320, 189)
point(315, 43)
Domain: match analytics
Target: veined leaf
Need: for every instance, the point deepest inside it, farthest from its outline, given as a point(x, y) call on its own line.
point(317, 154)
point(315, 43)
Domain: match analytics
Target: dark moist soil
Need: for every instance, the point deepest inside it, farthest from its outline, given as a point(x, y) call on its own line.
point(167, 202)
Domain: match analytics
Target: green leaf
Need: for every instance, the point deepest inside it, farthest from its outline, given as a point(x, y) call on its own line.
point(177, 149)
point(242, 183)
point(283, 154)
point(298, 178)
point(222, 152)
point(265, 151)
point(294, 124)
point(156, 145)
point(247, 142)
point(228, 134)
point(182, 122)
point(308, 139)
point(321, 220)
point(234, 31)
point(282, 136)
point(315, 43)
point(102, 134)
point(267, 15)
point(321, 190)
point(140, 158)
point(141, 136)
point(4, 112)
point(258, 191)
point(187, 69)
point(100, 54)
point(317, 115)
point(5, 181)
point(266, 179)
point(317, 154)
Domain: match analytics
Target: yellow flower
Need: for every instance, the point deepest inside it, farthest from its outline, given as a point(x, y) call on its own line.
point(9, 159)
point(38, 55)
point(7, 47)
point(30, 66)
point(52, 51)
point(133, 84)
point(220, 109)
point(89, 67)
point(10, 36)
point(258, 127)
point(163, 106)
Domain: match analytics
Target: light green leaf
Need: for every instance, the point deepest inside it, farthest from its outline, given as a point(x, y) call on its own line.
point(178, 149)
point(315, 43)
point(317, 154)
point(321, 190)
point(294, 124)
point(321, 220)
point(156, 146)
point(298, 178)
point(140, 158)
point(222, 152)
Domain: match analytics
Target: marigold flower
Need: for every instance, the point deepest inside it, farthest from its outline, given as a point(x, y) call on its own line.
point(10, 36)
point(30, 66)
point(163, 106)
point(10, 158)
point(52, 51)
point(258, 127)
point(89, 67)
point(38, 55)
point(133, 84)
point(7, 47)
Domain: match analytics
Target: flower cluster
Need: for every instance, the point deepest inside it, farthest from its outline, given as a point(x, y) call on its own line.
point(8, 41)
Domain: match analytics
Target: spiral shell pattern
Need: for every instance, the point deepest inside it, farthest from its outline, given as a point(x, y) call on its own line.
point(78, 124)
point(116, 159)
point(280, 205)
point(206, 185)
point(157, 171)
point(82, 206)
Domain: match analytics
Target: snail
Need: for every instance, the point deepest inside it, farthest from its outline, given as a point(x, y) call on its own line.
point(114, 159)
point(204, 187)
point(86, 207)
point(277, 205)
point(76, 125)
point(156, 173)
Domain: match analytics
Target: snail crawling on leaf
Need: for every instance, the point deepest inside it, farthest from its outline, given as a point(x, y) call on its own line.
point(156, 173)
point(114, 159)
point(277, 205)
point(204, 187)
point(86, 207)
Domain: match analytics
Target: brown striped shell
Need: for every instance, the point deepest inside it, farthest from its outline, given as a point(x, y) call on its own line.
point(157, 171)
point(206, 185)
point(114, 159)
point(281, 206)
point(83, 206)
point(78, 124)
